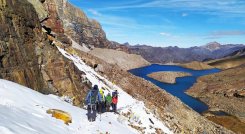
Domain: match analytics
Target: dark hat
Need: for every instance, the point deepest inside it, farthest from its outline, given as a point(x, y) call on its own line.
point(96, 87)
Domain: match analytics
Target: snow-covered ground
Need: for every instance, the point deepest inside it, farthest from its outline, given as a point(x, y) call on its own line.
point(23, 111)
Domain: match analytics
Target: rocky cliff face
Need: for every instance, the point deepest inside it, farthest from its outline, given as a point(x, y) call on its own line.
point(19, 37)
point(66, 19)
point(28, 56)
point(41, 11)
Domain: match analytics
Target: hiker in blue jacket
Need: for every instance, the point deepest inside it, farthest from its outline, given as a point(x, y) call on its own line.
point(93, 97)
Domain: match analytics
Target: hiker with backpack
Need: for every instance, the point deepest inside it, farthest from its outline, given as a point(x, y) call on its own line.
point(101, 105)
point(114, 101)
point(93, 97)
point(108, 101)
point(114, 93)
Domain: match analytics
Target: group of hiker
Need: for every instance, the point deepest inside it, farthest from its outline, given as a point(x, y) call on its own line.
point(97, 102)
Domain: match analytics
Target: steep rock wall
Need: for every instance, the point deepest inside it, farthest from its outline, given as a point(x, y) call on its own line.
point(28, 57)
point(19, 36)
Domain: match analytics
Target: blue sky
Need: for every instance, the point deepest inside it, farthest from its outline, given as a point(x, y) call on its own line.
point(182, 23)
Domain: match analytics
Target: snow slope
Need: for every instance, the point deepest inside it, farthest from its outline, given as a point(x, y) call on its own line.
point(23, 111)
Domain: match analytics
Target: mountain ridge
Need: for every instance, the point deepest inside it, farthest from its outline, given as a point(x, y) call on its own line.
point(182, 55)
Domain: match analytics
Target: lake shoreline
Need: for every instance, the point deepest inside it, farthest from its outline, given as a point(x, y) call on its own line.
point(182, 83)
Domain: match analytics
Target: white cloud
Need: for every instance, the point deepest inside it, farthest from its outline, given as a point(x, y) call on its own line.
point(165, 34)
point(184, 14)
point(94, 12)
point(228, 8)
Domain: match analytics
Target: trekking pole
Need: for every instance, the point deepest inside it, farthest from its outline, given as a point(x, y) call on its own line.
point(100, 116)
point(90, 118)
point(100, 110)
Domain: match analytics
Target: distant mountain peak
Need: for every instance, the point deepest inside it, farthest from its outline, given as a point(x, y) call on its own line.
point(212, 46)
point(126, 44)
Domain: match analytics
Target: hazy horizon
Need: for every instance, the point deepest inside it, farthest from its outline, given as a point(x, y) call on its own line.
point(182, 23)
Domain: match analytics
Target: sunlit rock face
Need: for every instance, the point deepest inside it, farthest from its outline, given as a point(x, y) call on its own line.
point(19, 39)
point(28, 56)
point(64, 18)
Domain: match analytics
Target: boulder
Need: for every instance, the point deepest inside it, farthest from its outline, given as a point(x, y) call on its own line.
point(41, 12)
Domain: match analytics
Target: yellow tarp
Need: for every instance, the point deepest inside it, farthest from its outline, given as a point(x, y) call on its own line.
point(62, 115)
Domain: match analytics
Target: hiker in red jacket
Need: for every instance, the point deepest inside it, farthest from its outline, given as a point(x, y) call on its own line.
point(114, 101)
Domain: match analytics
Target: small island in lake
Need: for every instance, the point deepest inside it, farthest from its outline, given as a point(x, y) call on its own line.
point(167, 77)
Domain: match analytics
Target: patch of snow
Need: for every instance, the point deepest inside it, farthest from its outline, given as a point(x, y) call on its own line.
point(4, 130)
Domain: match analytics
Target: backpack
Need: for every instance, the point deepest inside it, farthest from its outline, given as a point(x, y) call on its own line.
point(108, 99)
point(93, 97)
point(114, 100)
point(102, 95)
point(115, 93)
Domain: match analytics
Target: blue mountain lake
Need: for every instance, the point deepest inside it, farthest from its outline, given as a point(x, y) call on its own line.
point(182, 84)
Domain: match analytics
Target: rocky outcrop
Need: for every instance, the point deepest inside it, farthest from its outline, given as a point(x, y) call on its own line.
point(66, 19)
point(19, 36)
point(28, 56)
point(167, 77)
point(223, 91)
point(62, 76)
point(41, 11)
point(123, 60)
point(53, 22)
point(195, 65)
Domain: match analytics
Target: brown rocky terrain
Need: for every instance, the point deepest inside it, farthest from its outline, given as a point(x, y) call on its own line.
point(224, 91)
point(228, 62)
point(230, 122)
point(195, 65)
point(29, 57)
point(167, 77)
point(123, 60)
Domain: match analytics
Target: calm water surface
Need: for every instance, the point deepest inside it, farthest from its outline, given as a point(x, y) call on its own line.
point(182, 83)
